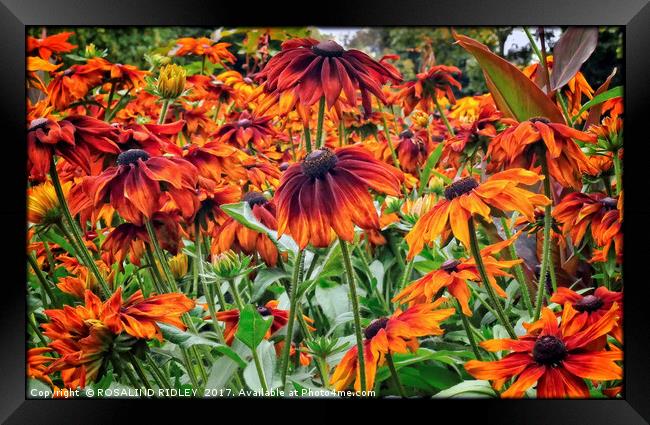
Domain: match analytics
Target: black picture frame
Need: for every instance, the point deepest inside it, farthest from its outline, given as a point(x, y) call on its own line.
point(634, 15)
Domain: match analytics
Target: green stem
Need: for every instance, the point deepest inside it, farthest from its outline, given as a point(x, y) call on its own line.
point(260, 371)
point(341, 133)
point(202, 64)
point(393, 372)
point(124, 371)
point(156, 370)
point(86, 257)
point(307, 138)
point(206, 290)
point(406, 276)
point(476, 253)
point(319, 128)
point(32, 322)
point(468, 330)
point(519, 271)
point(235, 293)
point(546, 248)
point(163, 111)
point(42, 280)
point(443, 116)
point(293, 301)
point(565, 109)
point(138, 370)
point(393, 154)
point(361, 366)
point(618, 169)
point(540, 56)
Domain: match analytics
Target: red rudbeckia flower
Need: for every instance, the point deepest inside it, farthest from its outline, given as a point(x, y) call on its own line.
point(313, 69)
point(135, 185)
point(328, 191)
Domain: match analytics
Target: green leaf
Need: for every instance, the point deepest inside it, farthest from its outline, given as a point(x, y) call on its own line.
point(252, 327)
point(264, 278)
point(603, 97)
point(186, 340)
point(514, 94)
point(473, 389)
point(430, 165)
point(243, 213)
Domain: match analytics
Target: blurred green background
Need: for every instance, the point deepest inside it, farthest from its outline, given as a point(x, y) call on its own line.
point(414, 45)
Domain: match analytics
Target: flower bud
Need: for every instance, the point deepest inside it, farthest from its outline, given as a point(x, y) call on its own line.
point(171, 81)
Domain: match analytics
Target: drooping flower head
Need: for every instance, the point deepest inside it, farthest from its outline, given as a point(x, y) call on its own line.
point(80, 140)
point(313, 69)
point(327, 194)
point(436, 82)
point(522, 143)
point(466, 197)
point(386, 335)
point(556, 357)
point(232, 235)
point(453, 274)
point(602, 214)
point(134, 186)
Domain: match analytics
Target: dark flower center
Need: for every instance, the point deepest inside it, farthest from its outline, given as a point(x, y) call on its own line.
point(248, 80)
point(375, 327)
point(609, 203)
point(328, 48)
point(588, 303)
point(255, 198)
point(244, 123)
point(460, 187)
point(450, 266)
point(264, 311)
point(406, 134)
point(540, 119)
point(68, 72)
point(319, 162)
point(131, 156)
point(284, 166)
point(549, 350)
point(38, 123)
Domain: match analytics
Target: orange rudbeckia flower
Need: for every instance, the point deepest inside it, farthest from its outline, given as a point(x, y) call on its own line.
point(589, 308)
point(519, 145)
point(37, 363)
point(46, 46)
point(556, 357)
point(395, 334)
point(134, 186)
point(203, 46)
point(328, 191)
point(313, 69)
point(246, 131)
point(579, 211)
point(466, 197)
point(82, 340)
point(437, 81)
point(138, 315)
point(453, 275)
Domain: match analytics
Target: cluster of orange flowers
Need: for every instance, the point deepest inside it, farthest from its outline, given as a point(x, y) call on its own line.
point(325, 146)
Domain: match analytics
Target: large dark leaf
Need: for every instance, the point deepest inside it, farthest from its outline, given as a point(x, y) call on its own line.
point(514, 93)
point(570, 52)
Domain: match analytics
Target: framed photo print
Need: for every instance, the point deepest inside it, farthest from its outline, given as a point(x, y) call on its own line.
point(370, 201)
